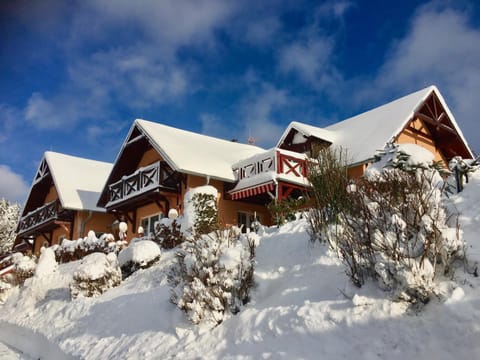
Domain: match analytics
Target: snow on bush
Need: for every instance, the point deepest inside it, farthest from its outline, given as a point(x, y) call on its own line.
point(200, 215)
point(213, 275)
point(47, 264)
point(168, 233)
point(4, 289)
point(24, 267)
point(70, 250)
point(95, 274)
point(395, 228)
point(138, 255)
point(9, 216)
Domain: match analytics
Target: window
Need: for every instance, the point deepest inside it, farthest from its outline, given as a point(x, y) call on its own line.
point(148, 224)
point(246, 219)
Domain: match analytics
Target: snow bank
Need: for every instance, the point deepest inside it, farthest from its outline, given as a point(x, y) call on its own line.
point(47, 264)
point(141, 252)
point(302, 307)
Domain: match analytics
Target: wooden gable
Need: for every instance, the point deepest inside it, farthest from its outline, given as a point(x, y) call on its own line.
point(139, 166)
point(432, 128)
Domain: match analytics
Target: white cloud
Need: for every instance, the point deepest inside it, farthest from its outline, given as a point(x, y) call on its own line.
point(8, 118)
point(259, 109)
point(12, 185)
point(170, 24)
point(440, 48)
point(310, 55)
point(309, 58)
point(138, 68)
point(212, 125)
point(60, 112)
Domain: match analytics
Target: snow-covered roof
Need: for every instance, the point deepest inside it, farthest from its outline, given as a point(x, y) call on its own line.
point(78, 181)
point(307, 131)
point(196, 154)
point(364, 134)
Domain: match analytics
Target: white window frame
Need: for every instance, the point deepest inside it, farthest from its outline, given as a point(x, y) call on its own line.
point(248, 217)
point(147, 229)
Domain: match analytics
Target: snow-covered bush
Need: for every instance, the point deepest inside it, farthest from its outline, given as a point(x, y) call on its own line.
point(46, 263)
point(200, 213)
point(461, 168)
point(23, 267)
point(4, 289)
point(396, 228)
point(138, 255)
point(95, 274)
point(168, 233)
point(213, 275)
point(9, 216)
point(71, 250)
point(285, 210)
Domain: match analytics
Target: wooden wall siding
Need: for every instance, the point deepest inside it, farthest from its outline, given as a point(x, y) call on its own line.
point(417, 133)
point(51, 195)
point(149, 157)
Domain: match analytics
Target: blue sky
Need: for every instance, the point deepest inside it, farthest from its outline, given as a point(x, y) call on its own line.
point(75, 74)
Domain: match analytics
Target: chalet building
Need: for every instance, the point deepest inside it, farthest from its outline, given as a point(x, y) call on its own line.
point(62, 202)
point(157, 164)
point(421, 118)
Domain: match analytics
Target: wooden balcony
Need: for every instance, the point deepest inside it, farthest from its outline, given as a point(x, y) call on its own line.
point(262, 173)
point(155, 176)
point(42, 216)
point(278, 161)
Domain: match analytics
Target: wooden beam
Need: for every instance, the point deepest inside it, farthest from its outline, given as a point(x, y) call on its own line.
point(417, 132)
point(426, 118)
point(135, 139)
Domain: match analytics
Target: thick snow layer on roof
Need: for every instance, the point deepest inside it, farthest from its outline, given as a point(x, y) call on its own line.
point(197, 154)
point(364, 134)
point(308, 130)
point(78, 181)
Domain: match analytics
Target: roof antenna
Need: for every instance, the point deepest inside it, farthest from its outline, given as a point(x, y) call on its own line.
point(251, 140)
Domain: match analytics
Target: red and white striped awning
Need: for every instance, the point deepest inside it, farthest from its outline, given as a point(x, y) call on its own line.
point(252, 191)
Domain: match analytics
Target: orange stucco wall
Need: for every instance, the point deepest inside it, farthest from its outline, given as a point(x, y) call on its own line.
point(420, 137)
point(149, 157)
point(98, 222)
point(52, 195)
point(356, 171)
point(41, 241)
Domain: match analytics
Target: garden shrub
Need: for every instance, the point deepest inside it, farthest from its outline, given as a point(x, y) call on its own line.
point(168, 233)
point(213, 275)
point(394, 227)
point(138, 255)
point(96, 274)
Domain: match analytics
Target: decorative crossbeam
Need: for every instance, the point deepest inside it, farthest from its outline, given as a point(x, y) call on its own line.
point(433, 113)
point(39, 216)
point(141, 181)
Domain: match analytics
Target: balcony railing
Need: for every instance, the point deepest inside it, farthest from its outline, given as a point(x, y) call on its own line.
point(278, 161)
point(142, 180)
point(262, 173)
point(42, 215)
